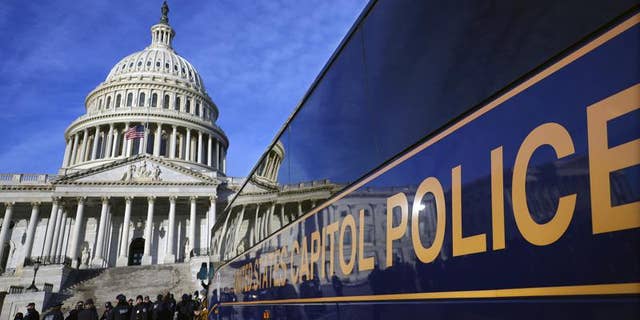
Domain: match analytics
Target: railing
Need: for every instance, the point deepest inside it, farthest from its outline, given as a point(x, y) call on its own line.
point(16, 289)
point(47, 260)
point(26, 178)
point(48, 287)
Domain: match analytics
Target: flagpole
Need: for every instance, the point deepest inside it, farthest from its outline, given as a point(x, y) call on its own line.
point(146, 126)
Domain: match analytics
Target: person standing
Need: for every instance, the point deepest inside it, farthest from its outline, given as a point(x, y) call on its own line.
point(32, 313)
point(122, 310)
point(149, 305)
point(54, 313)
point(185, 308)
point(18, 316)
point(107, 310)
point(139, 311)
point(89, 312)
point(73, 314)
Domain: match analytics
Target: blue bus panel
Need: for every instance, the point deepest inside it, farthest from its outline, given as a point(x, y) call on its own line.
point(527, 207)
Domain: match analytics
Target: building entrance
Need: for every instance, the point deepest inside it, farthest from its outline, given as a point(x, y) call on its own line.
point(136, 250)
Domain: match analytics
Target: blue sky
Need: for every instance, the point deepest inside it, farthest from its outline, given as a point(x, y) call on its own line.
point(257, 59)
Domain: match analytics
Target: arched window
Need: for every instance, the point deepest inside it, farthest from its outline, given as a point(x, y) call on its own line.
point(177, 106)
point(118, 98)
point(141, 99)
point(108, 102)
point(165, 103)
point(188, 106)
point(100, 103)
point(129, 99)
point(154, 100)
point(197, 109)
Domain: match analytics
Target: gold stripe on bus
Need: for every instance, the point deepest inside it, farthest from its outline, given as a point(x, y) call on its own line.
point(578, 290)
point(592, 45)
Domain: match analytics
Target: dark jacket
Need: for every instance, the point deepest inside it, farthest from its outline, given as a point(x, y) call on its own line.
point(53, 315)
point(161, 311)
point(122, 311)
point(73, 315)
point(185, 310)
point(105, 315)
point(88, 314)
point(32, 314)
point(140, 312)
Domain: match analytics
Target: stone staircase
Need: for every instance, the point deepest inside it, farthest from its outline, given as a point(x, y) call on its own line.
point(105, 284)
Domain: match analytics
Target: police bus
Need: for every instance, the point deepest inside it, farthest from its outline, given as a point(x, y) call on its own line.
point(453, 159)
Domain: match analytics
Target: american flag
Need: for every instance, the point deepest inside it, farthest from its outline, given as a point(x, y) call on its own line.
point(136, 132)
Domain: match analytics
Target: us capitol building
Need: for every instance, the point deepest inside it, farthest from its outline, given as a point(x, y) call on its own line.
point(118, 201)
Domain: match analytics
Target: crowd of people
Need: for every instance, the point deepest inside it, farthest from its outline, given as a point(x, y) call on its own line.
point(165, 307)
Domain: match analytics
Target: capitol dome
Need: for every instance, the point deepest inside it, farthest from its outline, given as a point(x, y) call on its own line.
point(156, 96)
point(159, 60)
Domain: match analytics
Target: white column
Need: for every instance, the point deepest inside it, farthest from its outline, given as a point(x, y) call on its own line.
point(187, 146)
point(170, 257)
point(106, 248)
point(50, 226)
point(74, 150)
point(172, 149)
point(156, 140)
point(148, 232)
point(236, 234)
point(67, 153)
point(256, 224)
point(4, 233)
point(211, 221)
point(127, 142)
point(75, 237)
point(31, 229)
point(268, 220)
point(192, 226)
point(56, 233)
point(98, 257)
point(209, 152)
point(108, 147)
point(217, 155)
point(94, 148)
point(115, 143)
point(224, 161)
point(85, 143)
point(123, 258)
point(62, 235)
point(199, 156)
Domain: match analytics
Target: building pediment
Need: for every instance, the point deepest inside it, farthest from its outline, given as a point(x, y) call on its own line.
point(141, 169)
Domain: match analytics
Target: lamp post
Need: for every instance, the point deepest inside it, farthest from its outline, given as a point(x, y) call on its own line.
point(32, 287)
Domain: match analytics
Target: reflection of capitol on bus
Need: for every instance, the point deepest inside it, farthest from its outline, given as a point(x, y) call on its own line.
point(265, 207)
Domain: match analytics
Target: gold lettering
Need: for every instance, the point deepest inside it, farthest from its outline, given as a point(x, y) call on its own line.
point(322, 251)
point(295, 250)
point(558, 138)
point(497, 199)
point(347, 266)
point(462, 245)
point(304, 259)
point(331, 231)
point(604, 160)
point(363, 263)
point(315, 252)
point(395, 233)
point(283, 264)
point(429, 185)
